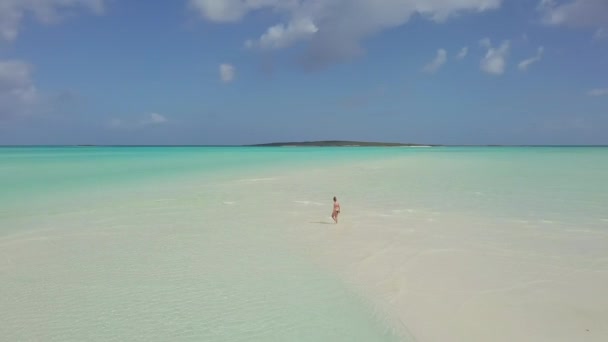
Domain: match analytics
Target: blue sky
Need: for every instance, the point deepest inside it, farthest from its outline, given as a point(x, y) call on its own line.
point(254, 71)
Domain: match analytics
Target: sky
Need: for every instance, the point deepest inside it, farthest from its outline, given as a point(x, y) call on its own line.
point(215, 72)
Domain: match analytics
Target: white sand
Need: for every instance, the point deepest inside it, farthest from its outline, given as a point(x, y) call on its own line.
point(446, 276)
point(438, 259)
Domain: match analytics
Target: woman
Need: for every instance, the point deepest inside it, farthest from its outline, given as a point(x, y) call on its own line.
point(334, 214)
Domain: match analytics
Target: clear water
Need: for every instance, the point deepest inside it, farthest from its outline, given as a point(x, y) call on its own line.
point(187, 243)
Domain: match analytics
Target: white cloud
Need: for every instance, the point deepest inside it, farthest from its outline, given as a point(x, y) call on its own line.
point(494, 62)
point(523, 65)
point(438, 62)
point(221, 11)
point(280, 36)
point(334, 29)
point(227, 72)
point(234, 10)
point(13, 12)
point(463, 53)
point(575, 13)
point(17, 91)
point(598, 92)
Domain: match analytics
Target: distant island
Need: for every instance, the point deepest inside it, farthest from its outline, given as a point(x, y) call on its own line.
point(330, 143)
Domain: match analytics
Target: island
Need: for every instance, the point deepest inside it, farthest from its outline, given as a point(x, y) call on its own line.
point(341, 143)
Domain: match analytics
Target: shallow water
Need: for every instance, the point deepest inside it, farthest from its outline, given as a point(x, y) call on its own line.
point(157, 243)
point(147, 244)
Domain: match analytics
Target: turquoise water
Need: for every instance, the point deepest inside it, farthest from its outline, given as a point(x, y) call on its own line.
point(182, 243)
point(31, 172)
point(133, 244)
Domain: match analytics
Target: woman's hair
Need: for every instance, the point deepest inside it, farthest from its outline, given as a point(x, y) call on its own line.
point(334, 198)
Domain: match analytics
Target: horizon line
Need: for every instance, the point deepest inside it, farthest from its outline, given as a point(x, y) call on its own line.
point(278, 144)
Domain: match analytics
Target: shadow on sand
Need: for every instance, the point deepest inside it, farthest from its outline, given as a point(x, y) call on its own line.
point(323, 222)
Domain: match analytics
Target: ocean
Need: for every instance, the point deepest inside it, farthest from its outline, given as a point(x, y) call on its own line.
point(236, 243)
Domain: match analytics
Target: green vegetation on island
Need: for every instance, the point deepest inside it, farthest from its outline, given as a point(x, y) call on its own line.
point(329, 143)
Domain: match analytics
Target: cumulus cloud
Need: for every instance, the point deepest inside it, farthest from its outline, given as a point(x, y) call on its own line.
point(13, 12)
point(523, 65)
point(334, 29)
point(17, 90)
point(234, 10)
point(463, 53)
point(598, 92)
point(227, 72)
point(280, 36)
point(575, 13)
point(495, 60)
point(437, 63)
